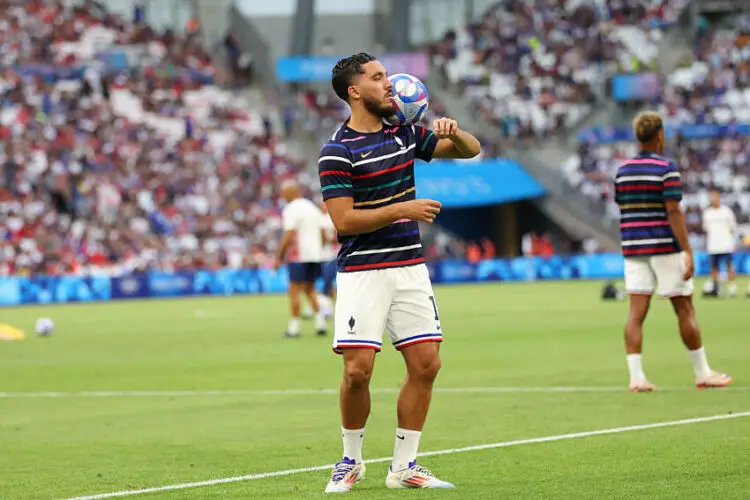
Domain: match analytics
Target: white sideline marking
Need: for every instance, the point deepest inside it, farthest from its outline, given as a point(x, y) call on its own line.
point(326, 392)
point(449, 451)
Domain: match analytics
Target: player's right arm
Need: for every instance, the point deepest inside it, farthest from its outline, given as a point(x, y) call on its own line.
point(289, 223)
point(672, 193)
point(335, 172)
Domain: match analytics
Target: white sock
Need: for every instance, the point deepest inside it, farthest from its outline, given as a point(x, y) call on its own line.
point(732, 288)
point(635, 367)
point(320, 321)
point(324, 302)
point(353, 439)
point(405, 450)
point(700, 363)
point(293, 328)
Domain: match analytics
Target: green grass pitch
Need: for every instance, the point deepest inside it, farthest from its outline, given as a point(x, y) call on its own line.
point(497, 336)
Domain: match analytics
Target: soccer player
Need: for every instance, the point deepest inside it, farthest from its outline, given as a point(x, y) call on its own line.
point(658, 256)
point(328, 266)
point(301, 245)
point(367, 177)
point(720, 226)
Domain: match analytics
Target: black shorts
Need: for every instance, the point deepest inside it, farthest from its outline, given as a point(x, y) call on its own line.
point(304, 272)
point(718, 258)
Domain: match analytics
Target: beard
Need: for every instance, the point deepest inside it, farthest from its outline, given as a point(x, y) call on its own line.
point(376, 107)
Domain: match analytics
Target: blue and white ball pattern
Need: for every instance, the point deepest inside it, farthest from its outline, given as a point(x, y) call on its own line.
point(410, 97)
point(44, 326)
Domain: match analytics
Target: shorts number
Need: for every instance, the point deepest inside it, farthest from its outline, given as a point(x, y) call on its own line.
point(434, 307)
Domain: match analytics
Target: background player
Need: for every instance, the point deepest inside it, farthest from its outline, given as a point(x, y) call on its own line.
point(720, 226)
point(367, 178)
point(658, 256)
point(302, 246)
point(328, 266)
point(330, 249)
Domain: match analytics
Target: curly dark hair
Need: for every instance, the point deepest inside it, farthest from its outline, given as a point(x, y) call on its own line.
point(346, 70)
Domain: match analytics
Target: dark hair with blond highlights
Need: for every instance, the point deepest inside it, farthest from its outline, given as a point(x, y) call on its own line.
point(646, 126)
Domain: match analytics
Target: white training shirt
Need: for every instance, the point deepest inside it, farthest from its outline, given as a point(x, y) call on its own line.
point(303, 216)
point(720, 225)
point(329, 250)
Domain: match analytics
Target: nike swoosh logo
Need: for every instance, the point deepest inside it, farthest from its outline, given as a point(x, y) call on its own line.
point(400, 437)
point(365, 155)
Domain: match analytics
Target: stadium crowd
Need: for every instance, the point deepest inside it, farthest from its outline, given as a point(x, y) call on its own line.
point(534, 67)
point(113, 170)
point(121, 150)
point(712, 89)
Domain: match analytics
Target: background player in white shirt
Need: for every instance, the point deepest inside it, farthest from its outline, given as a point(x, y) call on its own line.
point(720, 226)
point(302, 247)
point(330, 250)
point(328, 265)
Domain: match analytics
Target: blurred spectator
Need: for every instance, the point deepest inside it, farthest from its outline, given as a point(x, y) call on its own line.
point(473, 253)
point(488, 249)
point(149, 166)
point(713, 89)
point(534, 67)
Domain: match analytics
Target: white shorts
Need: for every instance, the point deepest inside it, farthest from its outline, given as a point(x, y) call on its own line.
point(660, 273)
point(399, 301)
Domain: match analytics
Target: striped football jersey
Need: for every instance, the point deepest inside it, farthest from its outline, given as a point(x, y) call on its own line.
point(642, 186)
point(376, 169)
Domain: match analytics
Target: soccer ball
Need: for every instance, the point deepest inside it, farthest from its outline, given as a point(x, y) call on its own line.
point(410, 97)
point(44, 326)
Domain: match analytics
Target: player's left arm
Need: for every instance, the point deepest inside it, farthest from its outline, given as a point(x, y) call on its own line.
point(733, 224)
point(452, 142)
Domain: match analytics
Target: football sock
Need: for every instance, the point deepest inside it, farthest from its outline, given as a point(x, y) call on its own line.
point(700, 363)
point(293, 328)
point(635, 368)
point(732, 288)
point(405, 450)
point(353, 439)
point(320, 321)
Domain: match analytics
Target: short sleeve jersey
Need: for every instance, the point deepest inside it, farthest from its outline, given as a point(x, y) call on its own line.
point(376, 170)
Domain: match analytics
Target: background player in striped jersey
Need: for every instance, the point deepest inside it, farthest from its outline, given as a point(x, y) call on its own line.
point(658, 256)
point(367, 179)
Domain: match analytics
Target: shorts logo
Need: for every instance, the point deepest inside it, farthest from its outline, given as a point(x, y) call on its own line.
point(365, 155)
point(351, 326)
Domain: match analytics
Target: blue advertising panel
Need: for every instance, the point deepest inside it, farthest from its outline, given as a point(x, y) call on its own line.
point(635, 86)
point(475, 183)
point(605, 135)
point(318, 68)
point(132, 286)
point(170, 284)
point(17, 290)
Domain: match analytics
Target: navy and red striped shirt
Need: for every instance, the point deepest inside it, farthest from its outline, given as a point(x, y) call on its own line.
point(642, 185)
point(376, 169)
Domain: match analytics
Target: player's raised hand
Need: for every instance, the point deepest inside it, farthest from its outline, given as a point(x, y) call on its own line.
point(445, 128)
point(421, 210)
